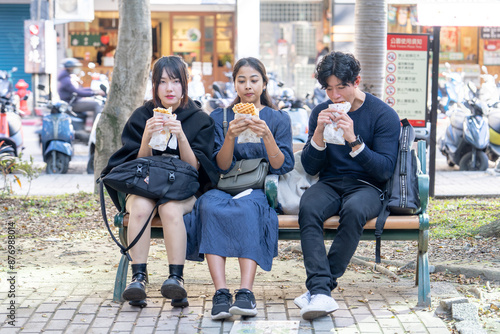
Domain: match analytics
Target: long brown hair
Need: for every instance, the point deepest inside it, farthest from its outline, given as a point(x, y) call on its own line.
point(257, 65)
point(176, 68)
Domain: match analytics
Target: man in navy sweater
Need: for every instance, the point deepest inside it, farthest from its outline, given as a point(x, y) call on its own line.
point(351, 177)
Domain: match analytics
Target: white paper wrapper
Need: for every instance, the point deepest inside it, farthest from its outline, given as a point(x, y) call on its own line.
point(160, 139)
point(333, 134)
point(247, 136)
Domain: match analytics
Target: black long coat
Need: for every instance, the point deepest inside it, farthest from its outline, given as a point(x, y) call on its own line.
point(197, 126)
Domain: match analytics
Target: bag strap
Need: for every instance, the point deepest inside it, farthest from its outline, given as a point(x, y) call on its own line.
point(124, 250)
point(224, 123)
point(384, 212)
point(379, 227)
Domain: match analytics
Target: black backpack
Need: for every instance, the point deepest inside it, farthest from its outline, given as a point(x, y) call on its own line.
point(402, 196)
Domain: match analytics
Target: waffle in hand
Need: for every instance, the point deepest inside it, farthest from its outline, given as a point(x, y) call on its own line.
point(245, 108)
point(163, 110)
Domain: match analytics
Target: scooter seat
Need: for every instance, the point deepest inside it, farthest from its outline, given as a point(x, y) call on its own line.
point(494, 121)
point(457, 119)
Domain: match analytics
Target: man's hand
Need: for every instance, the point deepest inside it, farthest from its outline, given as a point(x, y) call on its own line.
point(324, 117)
point(345, 123)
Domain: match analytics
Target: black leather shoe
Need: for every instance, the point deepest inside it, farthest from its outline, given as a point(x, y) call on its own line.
point(173, 288)
point(140, 303)
point(180, 302)
point(136, 290)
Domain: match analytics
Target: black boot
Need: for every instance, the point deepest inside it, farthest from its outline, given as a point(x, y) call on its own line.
point(136, 291)
point(173, 287)
point(180, 302)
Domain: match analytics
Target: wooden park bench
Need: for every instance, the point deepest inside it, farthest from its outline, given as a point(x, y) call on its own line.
point(414, 227)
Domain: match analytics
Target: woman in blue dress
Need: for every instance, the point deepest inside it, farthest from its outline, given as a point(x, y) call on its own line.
point(244, 227)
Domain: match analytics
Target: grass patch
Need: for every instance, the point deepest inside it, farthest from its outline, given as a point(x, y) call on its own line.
point(461, 217)
point(56, 215)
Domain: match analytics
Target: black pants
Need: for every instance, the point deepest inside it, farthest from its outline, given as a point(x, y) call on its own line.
point(355, 202)
point(87, 104)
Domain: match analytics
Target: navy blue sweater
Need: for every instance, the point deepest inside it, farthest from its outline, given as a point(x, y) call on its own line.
point(379, 127)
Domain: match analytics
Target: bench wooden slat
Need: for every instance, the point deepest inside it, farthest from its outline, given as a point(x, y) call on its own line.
point(290, 222)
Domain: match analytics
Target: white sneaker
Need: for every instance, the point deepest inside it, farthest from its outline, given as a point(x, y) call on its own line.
point(303, 300)
point(319, 306)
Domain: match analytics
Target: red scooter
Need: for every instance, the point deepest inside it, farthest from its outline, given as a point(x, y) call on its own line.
point(11, 132)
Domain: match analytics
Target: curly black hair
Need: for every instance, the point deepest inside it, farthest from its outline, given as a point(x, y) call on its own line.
point(340, 64)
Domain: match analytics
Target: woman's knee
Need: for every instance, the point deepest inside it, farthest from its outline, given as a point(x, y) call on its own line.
point(173, 211)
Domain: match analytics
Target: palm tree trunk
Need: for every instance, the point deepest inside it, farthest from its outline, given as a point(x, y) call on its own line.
point(370, 43)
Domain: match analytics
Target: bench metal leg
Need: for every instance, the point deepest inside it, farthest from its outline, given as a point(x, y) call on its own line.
point(121, 273)
point(422, 274)
point(121, 279)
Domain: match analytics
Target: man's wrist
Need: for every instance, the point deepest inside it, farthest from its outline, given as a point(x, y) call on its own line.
point(358, 151)
point(316, 146)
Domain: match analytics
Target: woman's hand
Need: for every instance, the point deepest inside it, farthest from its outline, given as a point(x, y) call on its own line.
point(175, 128)
point(154, 124)
point(236, 127)
point(259, 127)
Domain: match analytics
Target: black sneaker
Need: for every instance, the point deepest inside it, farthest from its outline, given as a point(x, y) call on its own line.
point(220, 304)
point(244, 303)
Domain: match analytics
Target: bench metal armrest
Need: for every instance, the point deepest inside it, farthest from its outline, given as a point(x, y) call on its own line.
point(423, 179)
point(118, 221)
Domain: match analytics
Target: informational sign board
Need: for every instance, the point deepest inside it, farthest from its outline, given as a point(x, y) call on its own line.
point(490, 32)
point(39, 47)
point(85, 39)
point(405, 84)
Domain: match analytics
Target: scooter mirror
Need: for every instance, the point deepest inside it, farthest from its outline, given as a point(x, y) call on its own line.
point(40, 86)
point(485, 69)
point(447, 65)
point(14, 69)
point(103, 88)
point(91, 65)
point(472, 87)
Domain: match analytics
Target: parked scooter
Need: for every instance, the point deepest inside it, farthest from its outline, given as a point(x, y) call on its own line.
point(454, 87)
point(493, 149)
point(11, 132)
point(298, 112)
point(467, 136)
point(57, 135)
point(489, 95)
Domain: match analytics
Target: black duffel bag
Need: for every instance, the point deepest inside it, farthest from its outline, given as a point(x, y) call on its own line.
point(160, 178)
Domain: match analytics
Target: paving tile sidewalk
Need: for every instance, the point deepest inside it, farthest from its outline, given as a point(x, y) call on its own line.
point(80, 307)
point(76, 305)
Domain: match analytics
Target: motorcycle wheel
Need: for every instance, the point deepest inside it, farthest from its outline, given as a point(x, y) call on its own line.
point(57, 163)
point(481, 162)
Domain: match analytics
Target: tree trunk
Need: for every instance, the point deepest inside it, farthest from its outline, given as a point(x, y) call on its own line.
point(490, 230)
point(130, 74)
point(370, 43)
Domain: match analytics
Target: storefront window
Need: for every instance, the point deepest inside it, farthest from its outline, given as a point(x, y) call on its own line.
point(402, 19)
point(224, 20)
